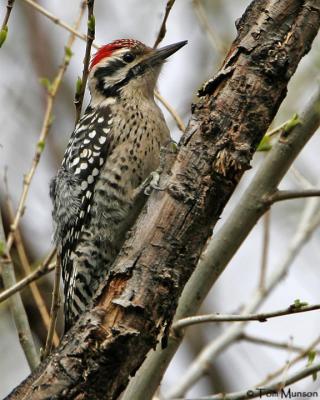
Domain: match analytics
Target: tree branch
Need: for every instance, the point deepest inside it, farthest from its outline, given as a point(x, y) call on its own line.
point(281, 195)
point(271, 343)
point(274, 389)
point(261, 317)
point(90, 38)
point(42, 270)
point(138, 298)
point(163, 28)
point(4, 27)
point(16, 306)
point(55, 305)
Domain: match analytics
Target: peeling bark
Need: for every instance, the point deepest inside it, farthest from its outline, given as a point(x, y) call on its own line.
point(139, 297)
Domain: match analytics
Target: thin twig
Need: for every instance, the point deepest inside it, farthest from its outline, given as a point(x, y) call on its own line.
point(272, 343)
point(214, 39)
point(78, 100)
point(274, 389)
point(265, 249)
point(8, 12)
point(55, 305)
point(282, 195)
point(261, 317)
point(47, 121)
point(172, 111)
point(289, 364)
point(42, 270)
point(16, 306)
point(58, 21)
point(36, 294)
point(163, 28)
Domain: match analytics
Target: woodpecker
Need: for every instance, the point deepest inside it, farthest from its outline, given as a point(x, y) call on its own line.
point(112, 150)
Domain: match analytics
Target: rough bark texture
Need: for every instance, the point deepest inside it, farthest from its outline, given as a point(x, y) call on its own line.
point(139, 297)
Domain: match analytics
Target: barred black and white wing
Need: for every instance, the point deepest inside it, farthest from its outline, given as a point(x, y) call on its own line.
point(73, 187)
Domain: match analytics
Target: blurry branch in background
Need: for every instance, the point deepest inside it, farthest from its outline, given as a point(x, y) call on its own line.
point(272, 389)
point(160, 37)
point(55, 305)
point(163, 28)
point(16, 306)
point(265, 249)
point(172, 111)
point(310, 221)
point(42, 270)
point(23, 258)
point(220, 250)
point(271, 343)
point(57, 20)
point(81, 87)
point(52, 89)
point(4, 27)
point(304, 353)
point(214, 39)
point(295, 308)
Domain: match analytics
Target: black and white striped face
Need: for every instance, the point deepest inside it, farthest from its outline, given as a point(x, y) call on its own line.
point(126, 68)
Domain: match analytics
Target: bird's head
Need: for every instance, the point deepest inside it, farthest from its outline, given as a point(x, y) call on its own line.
point(127, 67)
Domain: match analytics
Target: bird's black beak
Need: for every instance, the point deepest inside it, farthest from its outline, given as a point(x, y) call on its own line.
point(160, 55)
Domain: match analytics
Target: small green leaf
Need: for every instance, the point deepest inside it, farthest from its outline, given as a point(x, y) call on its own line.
point(299, 304)
point(2, 248)
point(265, 144)
point(92, 23)
point(46, 83)
point(311, 357)
point(78, 86)
point(3, 35)
point(41, 145)
point(294, 121)
point(68, 55)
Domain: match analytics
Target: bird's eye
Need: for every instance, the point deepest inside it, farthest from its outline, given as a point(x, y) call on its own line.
point(129, 57)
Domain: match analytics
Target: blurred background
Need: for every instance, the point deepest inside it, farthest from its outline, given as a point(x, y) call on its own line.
point(35, 49)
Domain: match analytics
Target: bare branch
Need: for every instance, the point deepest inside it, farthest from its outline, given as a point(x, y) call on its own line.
point(55, 305)
point(289, 364)
point(90, 38)
point(4, 28)
point(271, 343)
point(47, 121)
point(36, 294)
point(172, 111)
point(261, 317)
point(274, 389)
point(281, 195)
point(16, 306)
point(42, 270)
point(265, 249)
point(163, 29)
point(214, 39)
point(58, 21)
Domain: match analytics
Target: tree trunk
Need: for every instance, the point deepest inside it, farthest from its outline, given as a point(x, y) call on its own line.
point(139, 297)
